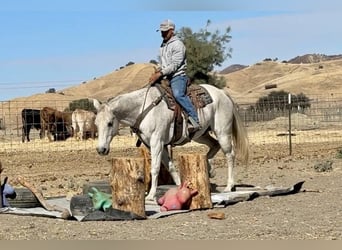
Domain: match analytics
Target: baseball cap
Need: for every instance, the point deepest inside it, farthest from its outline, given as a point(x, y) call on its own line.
point(166, 25)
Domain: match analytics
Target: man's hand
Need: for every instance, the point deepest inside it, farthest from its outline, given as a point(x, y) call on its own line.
point(155, 77)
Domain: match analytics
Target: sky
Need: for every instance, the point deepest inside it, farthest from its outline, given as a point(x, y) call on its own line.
point(59, 44)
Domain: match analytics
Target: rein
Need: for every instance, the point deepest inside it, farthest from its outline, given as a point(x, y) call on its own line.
point(141, 116)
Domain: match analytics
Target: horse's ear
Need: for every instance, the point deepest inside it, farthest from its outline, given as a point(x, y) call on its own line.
point(97, 104)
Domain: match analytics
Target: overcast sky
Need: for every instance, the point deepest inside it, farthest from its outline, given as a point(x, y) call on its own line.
point(58, 44)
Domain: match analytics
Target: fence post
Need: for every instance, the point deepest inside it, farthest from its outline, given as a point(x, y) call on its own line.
point(290, 138)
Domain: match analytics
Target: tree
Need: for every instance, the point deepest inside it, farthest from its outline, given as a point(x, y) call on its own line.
point(130, 63)
point(85, 104)
point(153, 62)
point(205, 50)
point(51, 90)
point(278, 100)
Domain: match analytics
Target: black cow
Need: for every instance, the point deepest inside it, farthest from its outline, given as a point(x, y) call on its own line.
point(31, 119)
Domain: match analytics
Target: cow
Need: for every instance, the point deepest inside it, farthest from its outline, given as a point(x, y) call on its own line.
point(30, 119)
point(56, 124)
point(83, 124)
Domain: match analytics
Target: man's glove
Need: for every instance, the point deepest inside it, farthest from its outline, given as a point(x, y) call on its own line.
point(101, 200)
point(155, 77)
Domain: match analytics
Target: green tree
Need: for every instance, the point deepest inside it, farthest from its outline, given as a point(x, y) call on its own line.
point(85, 104)
point(278, 100)
point(130, 63)
point(153, 62)
point(205, 50)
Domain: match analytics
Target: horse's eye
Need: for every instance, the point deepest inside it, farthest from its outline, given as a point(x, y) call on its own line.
point(110, 124)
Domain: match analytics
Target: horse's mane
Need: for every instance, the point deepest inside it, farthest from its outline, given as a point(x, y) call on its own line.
point(110, 98)
point(125, 93)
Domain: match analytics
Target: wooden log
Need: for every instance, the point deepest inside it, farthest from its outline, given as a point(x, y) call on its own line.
point(193, 168)
point(164, 177)
point(128, 185)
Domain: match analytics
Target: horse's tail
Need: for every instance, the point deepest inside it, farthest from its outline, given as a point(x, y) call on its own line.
point(240, 136)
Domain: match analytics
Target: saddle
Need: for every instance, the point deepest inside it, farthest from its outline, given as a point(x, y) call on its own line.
point(199, 97)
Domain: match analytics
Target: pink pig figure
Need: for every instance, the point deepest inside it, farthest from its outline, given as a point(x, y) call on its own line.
point(177, 198)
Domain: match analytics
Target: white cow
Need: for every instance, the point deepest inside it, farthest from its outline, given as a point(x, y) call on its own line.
point(83, 123)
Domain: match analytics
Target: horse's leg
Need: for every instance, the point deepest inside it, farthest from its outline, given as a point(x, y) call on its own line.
point(156, 156)
point(168, 162)
point(214, 147)
point(225, 141)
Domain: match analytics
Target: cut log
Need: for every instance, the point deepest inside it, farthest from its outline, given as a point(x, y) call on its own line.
point(128, 185)
point(193, 168)
point(164, 177)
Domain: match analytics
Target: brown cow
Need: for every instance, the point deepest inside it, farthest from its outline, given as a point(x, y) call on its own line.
point(57, 124)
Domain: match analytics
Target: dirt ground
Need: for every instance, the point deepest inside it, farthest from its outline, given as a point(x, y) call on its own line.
point(314, 213)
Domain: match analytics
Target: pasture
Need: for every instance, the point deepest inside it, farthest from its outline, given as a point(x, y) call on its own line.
point(60, 168)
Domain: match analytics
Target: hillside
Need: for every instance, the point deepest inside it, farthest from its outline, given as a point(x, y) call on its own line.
point(314, 79)
point(127, 79)
point(244, 85)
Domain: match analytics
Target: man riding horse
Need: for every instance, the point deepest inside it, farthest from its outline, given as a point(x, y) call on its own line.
point(173, 66)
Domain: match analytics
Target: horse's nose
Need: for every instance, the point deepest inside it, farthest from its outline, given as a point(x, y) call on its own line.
point(102, 151)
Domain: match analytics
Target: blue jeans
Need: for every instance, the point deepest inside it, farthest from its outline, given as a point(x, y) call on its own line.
point(178, 86)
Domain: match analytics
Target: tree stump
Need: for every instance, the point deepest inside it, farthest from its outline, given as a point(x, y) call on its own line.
point(164, 177)
point(193, 168)
point(128, 185)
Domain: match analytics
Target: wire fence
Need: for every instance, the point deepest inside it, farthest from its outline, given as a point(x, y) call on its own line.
point(319, 123)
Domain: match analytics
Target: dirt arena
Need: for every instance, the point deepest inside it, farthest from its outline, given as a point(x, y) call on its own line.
point(314, 213)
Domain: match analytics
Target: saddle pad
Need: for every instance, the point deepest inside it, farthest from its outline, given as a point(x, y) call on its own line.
point(199, 96)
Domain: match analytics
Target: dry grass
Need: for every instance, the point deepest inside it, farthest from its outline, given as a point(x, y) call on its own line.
point(245, 85)
point(314, 79)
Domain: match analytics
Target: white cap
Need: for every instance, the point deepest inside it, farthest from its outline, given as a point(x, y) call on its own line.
point(166, 25)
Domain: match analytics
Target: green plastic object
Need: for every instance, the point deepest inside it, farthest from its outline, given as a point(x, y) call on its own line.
point(101, 200)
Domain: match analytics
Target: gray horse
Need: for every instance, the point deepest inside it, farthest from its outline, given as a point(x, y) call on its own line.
point(156, 127)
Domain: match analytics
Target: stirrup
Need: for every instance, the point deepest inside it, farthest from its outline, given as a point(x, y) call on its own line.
point(194, 126)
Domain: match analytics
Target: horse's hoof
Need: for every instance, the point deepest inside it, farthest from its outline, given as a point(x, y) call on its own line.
point(150, 200)
point(230, 189)
point(212, 173)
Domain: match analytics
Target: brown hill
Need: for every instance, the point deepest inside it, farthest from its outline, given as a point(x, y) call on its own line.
point(314, 58)
point(232, 68)
point(245, 85)
point(127, 79)
point(314, 79)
